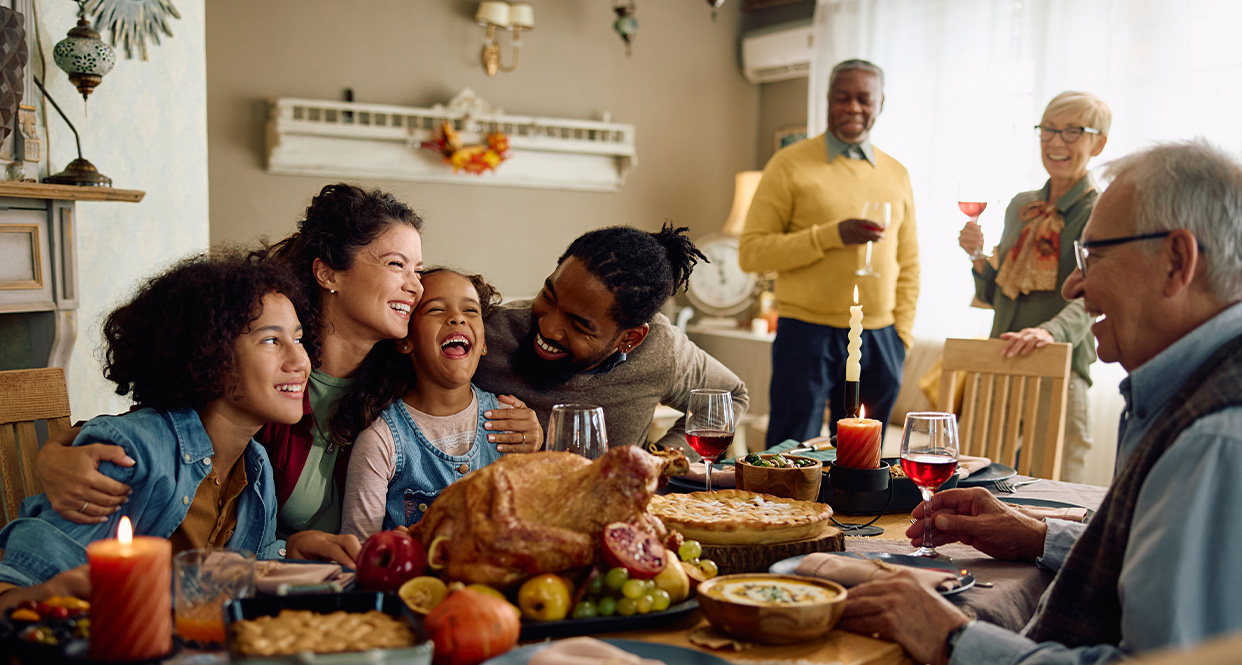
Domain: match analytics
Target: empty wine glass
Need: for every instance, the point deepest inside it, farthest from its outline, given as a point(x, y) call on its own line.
point(710, 423)
point(578, 429)
point(879, 213)
point(929, 457)
point(972, 201)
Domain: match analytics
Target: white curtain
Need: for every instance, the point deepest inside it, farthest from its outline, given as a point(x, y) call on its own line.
point(965, 81)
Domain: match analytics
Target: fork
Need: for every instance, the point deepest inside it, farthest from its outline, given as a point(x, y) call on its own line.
point(1005, 486)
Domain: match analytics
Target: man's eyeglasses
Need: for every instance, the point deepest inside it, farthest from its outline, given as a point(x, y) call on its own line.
point(1068, 135)
point(1082, 250)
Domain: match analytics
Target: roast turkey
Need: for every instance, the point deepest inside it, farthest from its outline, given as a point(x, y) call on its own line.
point(541, 513)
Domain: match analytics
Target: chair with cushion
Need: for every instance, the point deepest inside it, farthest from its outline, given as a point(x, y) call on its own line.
point(26, 397)
point(1007, 400)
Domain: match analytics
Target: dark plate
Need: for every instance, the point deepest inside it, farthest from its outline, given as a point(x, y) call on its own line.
point(249, 608)
point(1043, 503)
point(964, 579)
point(988, 476)
point(663, 652)
point(538, 630)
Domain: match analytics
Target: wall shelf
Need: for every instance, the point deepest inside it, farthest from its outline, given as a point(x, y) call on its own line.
point(354, 140)
point(39, 190)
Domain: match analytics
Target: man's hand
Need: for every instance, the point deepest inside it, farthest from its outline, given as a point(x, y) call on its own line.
point(71, 479)
point(515, 430)
point(970, 239)
point(322, 546)
point(1026, 340)
point(900, 609)
point(977, 518)
point(74, 582)
point(858, 231)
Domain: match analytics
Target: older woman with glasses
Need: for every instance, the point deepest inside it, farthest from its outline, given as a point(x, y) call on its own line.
point(1022, 281)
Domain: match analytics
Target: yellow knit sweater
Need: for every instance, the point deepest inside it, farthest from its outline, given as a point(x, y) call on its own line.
point(792, 229)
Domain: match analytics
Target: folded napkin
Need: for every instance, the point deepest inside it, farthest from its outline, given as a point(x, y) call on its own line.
point(587, 651)
point(722, 476)
point(967, 465)
point(1041, 513)
point(271, 576)
point(849, 571)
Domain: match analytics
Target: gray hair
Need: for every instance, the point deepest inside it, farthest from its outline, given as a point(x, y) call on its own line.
point(1196, 186)
point(856, 65)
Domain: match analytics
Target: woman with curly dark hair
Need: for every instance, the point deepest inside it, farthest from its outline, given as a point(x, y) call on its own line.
point(416, 422)
point(210, 351)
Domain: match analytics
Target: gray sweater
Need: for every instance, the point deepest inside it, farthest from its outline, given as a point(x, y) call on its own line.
point(661, 370)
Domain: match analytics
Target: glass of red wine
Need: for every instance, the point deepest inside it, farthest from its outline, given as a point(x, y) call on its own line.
point(972, 202)
point(929, 458)
point(710, 423)
point(578, 429)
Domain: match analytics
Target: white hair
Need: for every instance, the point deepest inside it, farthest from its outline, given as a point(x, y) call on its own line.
point(856, 65)
point(1196, 186)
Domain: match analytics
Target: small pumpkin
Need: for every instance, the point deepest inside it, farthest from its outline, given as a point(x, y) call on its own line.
point(469, 627)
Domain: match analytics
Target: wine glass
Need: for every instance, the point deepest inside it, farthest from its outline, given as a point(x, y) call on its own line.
point(879, 213)
point(709, 425)
point(929, 458)
point(578, 429)
point(972, 201)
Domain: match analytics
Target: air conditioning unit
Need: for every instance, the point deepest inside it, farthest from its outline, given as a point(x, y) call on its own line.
point(778, 53)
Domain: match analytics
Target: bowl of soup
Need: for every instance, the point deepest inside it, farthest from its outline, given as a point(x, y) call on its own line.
point(773, 609)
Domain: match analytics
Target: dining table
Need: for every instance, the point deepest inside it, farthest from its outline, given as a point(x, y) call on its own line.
point(1013, 588)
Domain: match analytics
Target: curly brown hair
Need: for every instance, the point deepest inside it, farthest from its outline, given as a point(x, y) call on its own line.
point(172, 345)
point(386, 374)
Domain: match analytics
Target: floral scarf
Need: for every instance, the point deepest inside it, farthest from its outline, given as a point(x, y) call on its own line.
point(1032, 263)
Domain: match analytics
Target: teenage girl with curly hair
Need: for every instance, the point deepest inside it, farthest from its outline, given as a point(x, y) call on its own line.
point(209, 351)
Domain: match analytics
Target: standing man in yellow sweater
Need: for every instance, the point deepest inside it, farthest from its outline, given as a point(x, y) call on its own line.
point(804, 225)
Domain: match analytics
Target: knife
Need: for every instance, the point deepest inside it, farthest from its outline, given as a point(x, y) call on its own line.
point(812, 448)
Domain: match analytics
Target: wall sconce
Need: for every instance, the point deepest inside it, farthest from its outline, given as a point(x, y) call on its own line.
point(517, 17)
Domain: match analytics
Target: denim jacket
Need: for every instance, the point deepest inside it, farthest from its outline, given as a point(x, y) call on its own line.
point(172, 455)
point(422, 471)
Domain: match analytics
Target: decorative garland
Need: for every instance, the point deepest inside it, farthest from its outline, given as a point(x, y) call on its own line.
point(475, 159)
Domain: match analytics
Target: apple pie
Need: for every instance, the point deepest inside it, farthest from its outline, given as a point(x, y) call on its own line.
point(737, 517)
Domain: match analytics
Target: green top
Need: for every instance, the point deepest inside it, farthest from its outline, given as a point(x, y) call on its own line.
point(1068, 321)
point(315, 502)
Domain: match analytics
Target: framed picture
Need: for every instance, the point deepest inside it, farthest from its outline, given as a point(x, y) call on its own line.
point(789, 136)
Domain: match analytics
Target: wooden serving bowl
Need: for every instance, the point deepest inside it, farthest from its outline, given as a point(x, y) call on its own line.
point(800, 482)
point(771, 623)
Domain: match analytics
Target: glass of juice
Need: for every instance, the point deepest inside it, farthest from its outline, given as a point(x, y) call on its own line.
point(203, 579)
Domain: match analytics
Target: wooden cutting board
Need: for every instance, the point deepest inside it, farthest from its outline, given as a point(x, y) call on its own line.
point(757, 558)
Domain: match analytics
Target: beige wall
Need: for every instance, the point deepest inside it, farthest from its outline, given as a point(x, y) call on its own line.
point(696, 116)
point(781, 104)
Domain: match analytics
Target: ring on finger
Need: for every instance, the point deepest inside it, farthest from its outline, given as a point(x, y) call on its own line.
point(523, 438)
point(84, 505)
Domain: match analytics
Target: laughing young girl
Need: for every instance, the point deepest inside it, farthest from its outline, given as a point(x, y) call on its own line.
point(424, 421)
point(210, 350)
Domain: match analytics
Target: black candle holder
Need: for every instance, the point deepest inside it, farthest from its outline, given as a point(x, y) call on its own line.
point(858, 491)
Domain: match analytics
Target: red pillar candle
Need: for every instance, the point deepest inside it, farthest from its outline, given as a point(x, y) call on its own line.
point(131, 597)
point(858, 442)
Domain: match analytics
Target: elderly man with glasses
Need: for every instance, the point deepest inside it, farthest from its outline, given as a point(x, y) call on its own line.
point(1022, 282)
point(1160, 263)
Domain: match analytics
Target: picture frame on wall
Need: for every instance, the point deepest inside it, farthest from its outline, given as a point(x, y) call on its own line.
point(789, 136)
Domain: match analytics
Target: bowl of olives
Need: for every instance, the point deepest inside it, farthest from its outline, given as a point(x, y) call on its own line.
point(778, 474)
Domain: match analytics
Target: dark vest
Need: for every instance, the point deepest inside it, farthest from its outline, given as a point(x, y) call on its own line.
point(1083, 606)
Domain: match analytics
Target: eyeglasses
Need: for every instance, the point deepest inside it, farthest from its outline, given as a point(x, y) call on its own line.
point(1082, 250)
point(1068, 135)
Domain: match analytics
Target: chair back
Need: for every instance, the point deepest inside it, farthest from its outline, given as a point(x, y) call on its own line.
point(27, 396)
point(1008, 398)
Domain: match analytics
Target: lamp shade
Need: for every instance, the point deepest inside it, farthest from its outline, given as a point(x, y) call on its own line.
point(493, 13)
point(744, 185)
point(522, 15)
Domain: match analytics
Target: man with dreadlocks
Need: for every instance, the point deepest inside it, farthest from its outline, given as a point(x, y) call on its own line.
point(594, 334)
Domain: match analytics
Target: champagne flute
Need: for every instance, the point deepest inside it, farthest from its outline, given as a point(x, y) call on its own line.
point(929, 448)
point(879, 213)
point(710, 424)
point(578, 429)
point(972, 202)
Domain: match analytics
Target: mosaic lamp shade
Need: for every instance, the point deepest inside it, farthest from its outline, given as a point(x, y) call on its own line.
point(13, 56)
point(84, 57)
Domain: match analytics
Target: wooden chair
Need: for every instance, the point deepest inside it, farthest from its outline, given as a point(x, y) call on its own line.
point(1009, 397)
point(27, 396)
